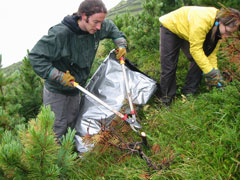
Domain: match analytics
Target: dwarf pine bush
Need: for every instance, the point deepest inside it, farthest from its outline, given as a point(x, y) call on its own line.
point(35, 153)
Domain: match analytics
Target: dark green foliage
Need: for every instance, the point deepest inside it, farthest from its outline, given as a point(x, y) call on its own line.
point(11, 156)
point(26, 92)
point(233, 4)
point(4, 81)
point(7, 121)
point(142, 30)
point(147, 62)
point(204, 131)
point(40, 147)
point(66, 157)
point(200, 133)
point(37, 155)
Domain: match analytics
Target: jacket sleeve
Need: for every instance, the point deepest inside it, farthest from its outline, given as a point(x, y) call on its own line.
point(198, 29)
point(110, 30)
point(44, 53)
point(213, 56)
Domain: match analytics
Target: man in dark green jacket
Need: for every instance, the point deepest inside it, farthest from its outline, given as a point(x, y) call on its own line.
point(67, 53)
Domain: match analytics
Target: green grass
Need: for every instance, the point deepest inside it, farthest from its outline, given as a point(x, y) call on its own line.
point(195, 138)
point(199, 134)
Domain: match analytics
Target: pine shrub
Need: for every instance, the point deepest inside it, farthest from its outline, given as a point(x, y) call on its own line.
point(35, 153)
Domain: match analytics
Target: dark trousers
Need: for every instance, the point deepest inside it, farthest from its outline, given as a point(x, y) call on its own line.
point(170, 45)
point(65, 108)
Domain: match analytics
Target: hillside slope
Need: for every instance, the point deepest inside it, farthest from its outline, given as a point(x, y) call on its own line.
point(131, 6)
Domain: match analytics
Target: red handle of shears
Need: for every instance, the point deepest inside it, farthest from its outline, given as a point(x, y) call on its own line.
point(122, 61)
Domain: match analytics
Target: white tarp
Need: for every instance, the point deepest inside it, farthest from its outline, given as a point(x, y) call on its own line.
point(107, 84)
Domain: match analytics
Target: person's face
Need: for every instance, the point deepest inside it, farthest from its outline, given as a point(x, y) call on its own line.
point(227, 30)
point(92, 23)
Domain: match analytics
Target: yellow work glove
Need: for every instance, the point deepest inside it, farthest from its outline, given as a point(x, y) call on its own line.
point(120, 52)
point(66, 79)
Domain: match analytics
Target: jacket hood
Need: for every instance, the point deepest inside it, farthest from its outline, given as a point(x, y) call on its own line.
point(71, 23)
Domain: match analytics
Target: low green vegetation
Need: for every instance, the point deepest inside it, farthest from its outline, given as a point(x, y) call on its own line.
point(197, 137)
point(132, 6)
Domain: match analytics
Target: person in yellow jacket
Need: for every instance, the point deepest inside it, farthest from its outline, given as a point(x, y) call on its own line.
point(196, 30)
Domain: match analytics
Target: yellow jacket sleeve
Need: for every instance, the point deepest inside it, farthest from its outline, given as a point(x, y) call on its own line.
point(192, 23)
point(213, 56)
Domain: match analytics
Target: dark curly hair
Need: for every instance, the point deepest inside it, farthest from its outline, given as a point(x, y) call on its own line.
point(90, 7)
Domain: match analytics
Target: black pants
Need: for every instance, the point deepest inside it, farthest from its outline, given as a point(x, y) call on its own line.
point(170, 45)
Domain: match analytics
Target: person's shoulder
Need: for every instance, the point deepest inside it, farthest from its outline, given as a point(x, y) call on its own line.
point(108, 21)
point(107, 24)
point(59, 29)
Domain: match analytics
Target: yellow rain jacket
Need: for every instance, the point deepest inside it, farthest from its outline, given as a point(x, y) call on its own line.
point(192, 23)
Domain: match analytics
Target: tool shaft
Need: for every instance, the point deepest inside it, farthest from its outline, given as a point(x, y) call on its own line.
point(99, 101)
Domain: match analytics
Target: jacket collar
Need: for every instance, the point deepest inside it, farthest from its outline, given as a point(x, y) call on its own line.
point(72, 23)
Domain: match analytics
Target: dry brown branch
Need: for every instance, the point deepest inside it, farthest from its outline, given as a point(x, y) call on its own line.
point(131, 148)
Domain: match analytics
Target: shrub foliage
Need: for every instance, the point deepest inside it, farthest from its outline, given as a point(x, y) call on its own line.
point(196, 138)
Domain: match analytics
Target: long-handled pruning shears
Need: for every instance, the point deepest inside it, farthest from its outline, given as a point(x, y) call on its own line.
point(131, 121)
point(133, 112)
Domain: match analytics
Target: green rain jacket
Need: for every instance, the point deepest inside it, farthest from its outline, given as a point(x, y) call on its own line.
point(65, 49)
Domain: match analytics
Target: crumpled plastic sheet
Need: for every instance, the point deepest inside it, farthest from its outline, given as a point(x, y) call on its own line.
point(108, 84)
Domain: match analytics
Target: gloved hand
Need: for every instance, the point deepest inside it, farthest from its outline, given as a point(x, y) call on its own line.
point(214, 79)
point(120, 52)
point(66, 78)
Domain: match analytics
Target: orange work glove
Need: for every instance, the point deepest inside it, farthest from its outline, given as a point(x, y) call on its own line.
point(66, 79)
point(120, 52)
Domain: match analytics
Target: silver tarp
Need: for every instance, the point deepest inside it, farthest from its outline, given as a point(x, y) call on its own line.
point(107, 84)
